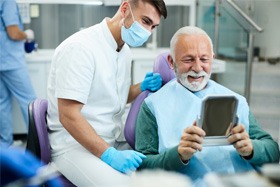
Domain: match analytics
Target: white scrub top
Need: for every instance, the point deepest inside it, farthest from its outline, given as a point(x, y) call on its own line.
point(87, 68)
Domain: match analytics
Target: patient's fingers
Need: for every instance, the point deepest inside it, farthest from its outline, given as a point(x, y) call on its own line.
point(235, 137)
point(192, 138)
point(193, 145)
point(195, 130)
point(238, 129)
point(186, 152)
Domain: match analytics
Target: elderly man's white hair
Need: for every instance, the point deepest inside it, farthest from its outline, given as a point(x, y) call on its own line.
point(159, 178)
point(188, 30)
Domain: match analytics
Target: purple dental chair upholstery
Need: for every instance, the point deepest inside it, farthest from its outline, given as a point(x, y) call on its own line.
point(37, 138)
point(162, 67)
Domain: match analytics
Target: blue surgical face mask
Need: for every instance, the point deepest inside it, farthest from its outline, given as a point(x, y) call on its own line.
point(136, 34)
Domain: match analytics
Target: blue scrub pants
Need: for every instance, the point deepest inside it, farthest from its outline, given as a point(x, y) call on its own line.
point(15, 83)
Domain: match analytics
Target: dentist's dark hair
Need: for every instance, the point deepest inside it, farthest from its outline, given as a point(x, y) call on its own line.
point(158, 4)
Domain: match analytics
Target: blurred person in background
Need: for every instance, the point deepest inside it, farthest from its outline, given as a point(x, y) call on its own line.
point(21, 168)
point(14, 77)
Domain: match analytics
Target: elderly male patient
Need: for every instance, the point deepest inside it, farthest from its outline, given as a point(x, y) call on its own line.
point(166, 129)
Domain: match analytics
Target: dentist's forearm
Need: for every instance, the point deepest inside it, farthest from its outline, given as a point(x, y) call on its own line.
point(134, 91)
point(79, 128)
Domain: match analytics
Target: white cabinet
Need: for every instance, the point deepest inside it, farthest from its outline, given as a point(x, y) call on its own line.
point(38, 75)
point(37, 72)
point(38, 64)
point(143, 61)
point(140, 68)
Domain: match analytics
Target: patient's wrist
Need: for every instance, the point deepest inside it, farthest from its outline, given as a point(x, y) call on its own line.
point(185, 161)
point(249, 156)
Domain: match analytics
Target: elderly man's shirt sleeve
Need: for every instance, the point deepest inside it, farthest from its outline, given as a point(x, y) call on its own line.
point(147, 142)
point(266, 150)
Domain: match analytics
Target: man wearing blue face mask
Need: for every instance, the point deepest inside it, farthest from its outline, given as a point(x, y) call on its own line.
point(88, 88)
point(136, 34)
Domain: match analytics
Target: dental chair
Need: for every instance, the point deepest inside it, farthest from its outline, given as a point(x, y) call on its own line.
point(162, 67)
point(37, 138)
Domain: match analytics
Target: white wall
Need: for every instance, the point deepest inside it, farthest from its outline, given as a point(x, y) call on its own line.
point(266, 14)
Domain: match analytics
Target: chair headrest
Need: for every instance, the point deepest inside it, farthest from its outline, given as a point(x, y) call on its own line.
point(162, 67)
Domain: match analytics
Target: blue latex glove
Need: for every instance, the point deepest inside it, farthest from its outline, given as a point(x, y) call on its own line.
point(17, 164)
point(124, 161)
point(152, 82)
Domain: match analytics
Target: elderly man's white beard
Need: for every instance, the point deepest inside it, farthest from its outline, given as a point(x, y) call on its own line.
point(195, 85)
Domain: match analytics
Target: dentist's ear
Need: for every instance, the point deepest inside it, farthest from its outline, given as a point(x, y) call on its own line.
point(123, 9)
point(170, 61)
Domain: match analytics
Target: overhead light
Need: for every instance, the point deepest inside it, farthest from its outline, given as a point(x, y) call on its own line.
point(179, 2)
point(167, 2)
point(80, 2)
point(112, 2)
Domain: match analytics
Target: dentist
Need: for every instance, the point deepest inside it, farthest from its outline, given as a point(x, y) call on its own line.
point(88, 87)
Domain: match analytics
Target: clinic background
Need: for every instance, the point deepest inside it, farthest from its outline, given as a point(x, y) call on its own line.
point(52, 23)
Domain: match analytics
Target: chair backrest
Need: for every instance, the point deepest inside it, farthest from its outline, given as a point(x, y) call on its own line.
point(162, 67)
point(37, 139)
